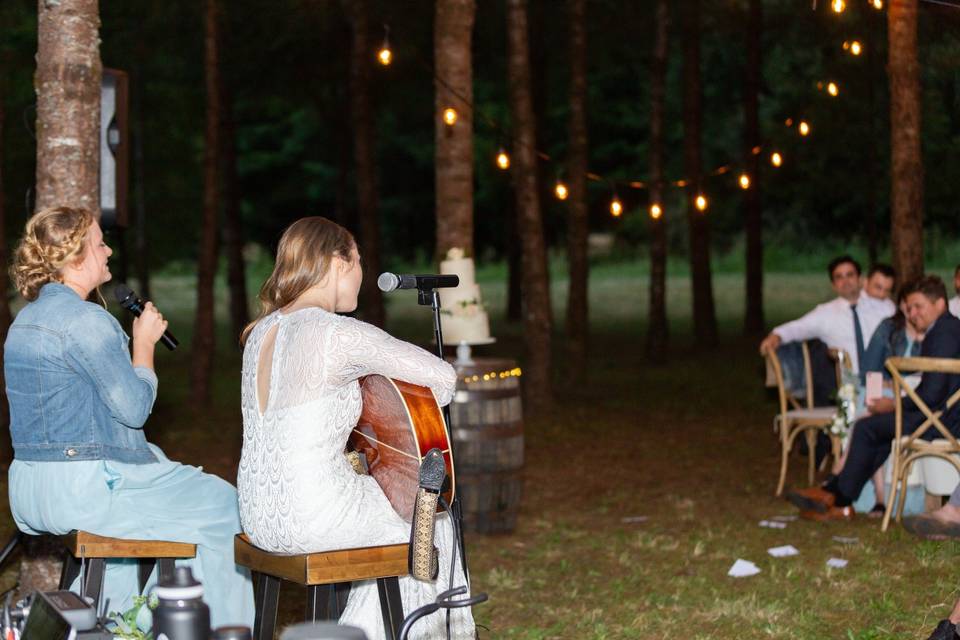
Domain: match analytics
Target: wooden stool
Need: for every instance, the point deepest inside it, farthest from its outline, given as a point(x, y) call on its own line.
point(92, 551)
point(327, 576)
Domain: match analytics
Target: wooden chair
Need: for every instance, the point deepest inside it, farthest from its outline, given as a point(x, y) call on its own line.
point(794, 418)
point(907, 448)
point(90, 553)
point(327, 576)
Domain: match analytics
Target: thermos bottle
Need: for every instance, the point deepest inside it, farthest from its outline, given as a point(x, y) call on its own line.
point(181, 613)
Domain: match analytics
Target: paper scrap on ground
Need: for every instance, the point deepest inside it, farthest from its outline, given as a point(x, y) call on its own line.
point(742, 569)
point(630, 519)
point(783, 552)
point(772, 524)
point(845, 540)
point(789, 518)
point(836, 563)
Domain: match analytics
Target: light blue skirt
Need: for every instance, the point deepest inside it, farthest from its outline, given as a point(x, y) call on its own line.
point(164, 500)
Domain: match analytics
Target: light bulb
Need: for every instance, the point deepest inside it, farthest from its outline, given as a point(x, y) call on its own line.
point(788, 122)
point(616, 207)
point(700, 203)
point(877, 4)
point(744, 181)
point(804, 128)
point(561, 191)
point(856, 48)
point(776, 159)
point(503, 160)
point(385, 56)
point(838, 6)
point(655, 211)
point(833, 89)
point(450, 116)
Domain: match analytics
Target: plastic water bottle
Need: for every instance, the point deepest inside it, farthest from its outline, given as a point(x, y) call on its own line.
point(181, 613)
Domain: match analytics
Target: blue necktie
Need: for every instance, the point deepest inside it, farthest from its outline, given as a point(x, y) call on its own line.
point(858, 332)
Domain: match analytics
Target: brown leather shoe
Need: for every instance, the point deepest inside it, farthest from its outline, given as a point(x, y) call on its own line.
point(832, 513)
point(812, 499)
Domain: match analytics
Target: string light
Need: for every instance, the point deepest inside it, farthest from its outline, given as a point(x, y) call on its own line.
point(838, 6)
point(776, 159)
point(503, 160)
point(616, 207)
point(877, 4)
point(856, 48)
point(561, 191)
point(833, 89)
point(788, 122)
point(385, 55)
point(655, 211)
point(803, 128)
point(700, 203)
point(744, 181)
point(450, 116)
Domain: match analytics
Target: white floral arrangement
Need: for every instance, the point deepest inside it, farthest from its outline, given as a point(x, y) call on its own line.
point(846, 409)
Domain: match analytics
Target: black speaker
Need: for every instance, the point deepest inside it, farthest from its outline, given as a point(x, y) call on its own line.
point(114, 148)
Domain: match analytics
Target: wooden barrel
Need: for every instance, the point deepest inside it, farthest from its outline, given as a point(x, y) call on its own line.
point(487, 420)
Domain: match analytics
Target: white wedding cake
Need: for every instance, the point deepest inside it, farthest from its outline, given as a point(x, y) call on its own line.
point(462, 316)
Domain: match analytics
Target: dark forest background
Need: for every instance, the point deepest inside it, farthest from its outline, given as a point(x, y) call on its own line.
point(286, 63)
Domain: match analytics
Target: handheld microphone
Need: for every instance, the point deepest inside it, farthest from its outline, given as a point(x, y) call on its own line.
point(129, 301)
point(392, 281)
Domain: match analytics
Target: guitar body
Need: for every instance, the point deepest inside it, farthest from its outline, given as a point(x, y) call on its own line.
point(399, 424)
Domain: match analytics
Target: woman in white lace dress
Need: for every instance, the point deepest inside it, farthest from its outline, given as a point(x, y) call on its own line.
point(301, 399)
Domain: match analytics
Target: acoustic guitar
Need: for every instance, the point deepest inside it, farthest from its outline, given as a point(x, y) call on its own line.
point(399, 424)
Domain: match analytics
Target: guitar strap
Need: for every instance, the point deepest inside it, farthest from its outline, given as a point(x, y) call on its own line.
point(422, 560)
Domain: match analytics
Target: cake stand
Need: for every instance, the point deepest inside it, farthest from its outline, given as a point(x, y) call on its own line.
point(463, 350)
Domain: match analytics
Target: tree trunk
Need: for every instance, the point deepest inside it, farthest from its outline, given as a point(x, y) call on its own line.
point(906, 170)
point(578, 212)
point(752, 203)
point(537, 320)
point(452, 31)
point(657, 330)
point(514, 261)
point(371, 299)
point(67, 85)
point(704, 315)
point(232, 224)
point(204, 342)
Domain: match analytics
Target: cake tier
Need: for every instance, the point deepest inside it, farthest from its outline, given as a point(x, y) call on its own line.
point(462, 267)
point(465, 328)
point(455, 299)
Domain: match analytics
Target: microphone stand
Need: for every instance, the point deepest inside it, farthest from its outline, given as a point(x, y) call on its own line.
point(431, 297)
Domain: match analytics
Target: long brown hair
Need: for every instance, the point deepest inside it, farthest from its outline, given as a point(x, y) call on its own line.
point(53, 238)
point(304, 254)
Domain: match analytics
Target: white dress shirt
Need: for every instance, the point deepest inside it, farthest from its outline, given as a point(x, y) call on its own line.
point(955, 305)
point(832, 322)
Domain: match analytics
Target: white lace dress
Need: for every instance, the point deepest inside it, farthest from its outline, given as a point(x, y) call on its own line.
point(298, 493)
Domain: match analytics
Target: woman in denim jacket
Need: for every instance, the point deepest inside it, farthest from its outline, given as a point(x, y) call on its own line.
point(78, 404)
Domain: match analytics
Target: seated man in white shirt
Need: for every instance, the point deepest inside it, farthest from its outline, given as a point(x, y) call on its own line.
point(848, 321)
point(954, 304)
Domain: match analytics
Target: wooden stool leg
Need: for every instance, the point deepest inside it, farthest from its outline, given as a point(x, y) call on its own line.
point(267, 598)
point(342, 590)
point(165, 567)
point(391, 605)
point(144, 569)
point(71, 569)
point(321, 603)
point(96, 568)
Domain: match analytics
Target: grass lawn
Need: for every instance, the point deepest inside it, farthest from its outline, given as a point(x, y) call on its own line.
point(688, 445)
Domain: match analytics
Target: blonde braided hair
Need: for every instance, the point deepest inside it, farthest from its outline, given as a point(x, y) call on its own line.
point(52, 239)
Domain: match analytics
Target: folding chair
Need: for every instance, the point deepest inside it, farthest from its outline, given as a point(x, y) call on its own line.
point(907, 448)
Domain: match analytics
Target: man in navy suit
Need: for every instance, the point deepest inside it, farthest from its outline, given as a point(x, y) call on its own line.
point(927, 310)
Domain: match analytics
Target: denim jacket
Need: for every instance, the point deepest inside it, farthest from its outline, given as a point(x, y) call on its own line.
point(73, 392)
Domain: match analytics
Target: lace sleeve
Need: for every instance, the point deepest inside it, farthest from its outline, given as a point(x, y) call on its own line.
point(356, 349)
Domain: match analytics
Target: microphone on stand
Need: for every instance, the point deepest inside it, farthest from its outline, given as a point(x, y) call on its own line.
point(392, 281)
point(129, 301)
